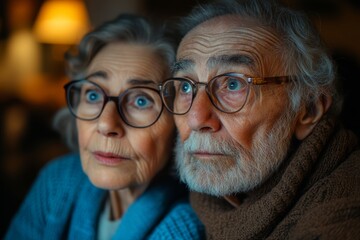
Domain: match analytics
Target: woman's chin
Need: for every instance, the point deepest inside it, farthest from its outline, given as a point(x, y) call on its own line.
point(109, 183)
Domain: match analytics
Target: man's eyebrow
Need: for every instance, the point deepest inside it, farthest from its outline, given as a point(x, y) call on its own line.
point(182, 65)
point(100, 74)
point(235, 59)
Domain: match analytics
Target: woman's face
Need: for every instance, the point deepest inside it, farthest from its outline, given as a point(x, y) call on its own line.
point(113, 154)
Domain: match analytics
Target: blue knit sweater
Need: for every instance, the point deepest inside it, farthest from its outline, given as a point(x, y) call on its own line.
point(63, 204)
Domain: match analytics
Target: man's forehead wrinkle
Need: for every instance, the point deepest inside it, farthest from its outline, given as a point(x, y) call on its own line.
point(197, 44)
point(252, 43)
point(251, 56)
point(262, 36)
point(246, 42)
point(264, 32)
point(201, 39)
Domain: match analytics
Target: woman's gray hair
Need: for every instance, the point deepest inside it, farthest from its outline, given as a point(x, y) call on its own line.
point(303, 52)
point(127, 28)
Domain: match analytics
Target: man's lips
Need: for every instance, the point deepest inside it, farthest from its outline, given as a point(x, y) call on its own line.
point(109, 158)
point(205, 154)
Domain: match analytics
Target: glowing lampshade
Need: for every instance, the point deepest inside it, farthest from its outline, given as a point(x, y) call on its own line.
point(61, 22)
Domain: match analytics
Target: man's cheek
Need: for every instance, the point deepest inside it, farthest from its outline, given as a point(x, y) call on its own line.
point(183, 128)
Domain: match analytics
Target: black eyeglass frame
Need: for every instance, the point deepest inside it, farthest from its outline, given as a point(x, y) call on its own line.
point(116, 99)
point(249, 80)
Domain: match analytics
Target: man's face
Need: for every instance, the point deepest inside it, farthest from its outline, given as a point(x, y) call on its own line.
point(220, 153)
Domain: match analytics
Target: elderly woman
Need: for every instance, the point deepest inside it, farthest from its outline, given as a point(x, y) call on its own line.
point(119, 186)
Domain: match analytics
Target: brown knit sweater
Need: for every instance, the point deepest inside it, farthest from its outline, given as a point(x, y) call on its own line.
point(314, 195)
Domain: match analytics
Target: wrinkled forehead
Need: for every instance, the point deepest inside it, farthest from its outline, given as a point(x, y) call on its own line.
point(229, 35)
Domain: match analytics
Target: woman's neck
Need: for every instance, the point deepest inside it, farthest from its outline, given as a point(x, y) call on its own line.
point(121, 199)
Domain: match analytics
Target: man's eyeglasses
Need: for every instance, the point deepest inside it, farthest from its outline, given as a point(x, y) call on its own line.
point(138, 107)
point(228, 92)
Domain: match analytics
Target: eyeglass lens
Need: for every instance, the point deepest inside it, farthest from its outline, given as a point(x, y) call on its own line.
point(227, 93)
point(138, 106)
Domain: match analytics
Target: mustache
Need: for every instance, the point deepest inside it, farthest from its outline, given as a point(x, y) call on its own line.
point(207, 143)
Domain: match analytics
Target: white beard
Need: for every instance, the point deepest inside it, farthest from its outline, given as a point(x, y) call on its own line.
point(238, 171)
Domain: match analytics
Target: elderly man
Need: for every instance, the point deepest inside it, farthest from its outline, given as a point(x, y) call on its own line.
point(255, 103)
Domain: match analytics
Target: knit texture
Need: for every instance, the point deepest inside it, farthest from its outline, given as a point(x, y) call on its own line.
point(314, 195)
point(63, 204)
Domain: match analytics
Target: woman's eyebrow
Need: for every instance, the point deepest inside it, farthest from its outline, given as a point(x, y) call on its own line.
point(100, 74)
point(136, 82)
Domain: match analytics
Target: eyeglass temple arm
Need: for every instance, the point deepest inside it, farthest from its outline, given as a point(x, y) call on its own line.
point(267, 80)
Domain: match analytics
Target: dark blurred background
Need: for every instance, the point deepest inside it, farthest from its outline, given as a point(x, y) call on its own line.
point(32, 74)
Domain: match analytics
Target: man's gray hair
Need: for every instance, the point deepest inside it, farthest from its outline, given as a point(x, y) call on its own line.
point(126, 28)
point(305, 57)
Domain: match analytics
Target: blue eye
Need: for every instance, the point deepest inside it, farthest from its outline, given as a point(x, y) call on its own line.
point(142, 102)
point(93, 96)
point(234, 84)
point(185, 87)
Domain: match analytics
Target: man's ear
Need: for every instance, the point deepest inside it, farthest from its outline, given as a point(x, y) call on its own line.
point(310, 116)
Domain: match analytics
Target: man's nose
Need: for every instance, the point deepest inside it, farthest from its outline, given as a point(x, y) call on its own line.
point(202, 115)
point(109, 122)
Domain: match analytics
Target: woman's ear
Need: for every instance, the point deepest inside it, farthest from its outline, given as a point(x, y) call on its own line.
point(310, 116)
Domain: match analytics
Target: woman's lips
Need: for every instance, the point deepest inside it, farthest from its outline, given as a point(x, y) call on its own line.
point(110, 159)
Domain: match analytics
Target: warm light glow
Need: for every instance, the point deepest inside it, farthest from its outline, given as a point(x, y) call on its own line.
point(61, 22)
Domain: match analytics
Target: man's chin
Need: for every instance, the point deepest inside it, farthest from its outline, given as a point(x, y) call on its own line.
point(204, 182)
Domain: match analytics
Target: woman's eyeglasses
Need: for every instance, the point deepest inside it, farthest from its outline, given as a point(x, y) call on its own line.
point(138, 107)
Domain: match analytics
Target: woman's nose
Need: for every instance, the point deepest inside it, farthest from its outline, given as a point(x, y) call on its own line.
point(109, 122)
